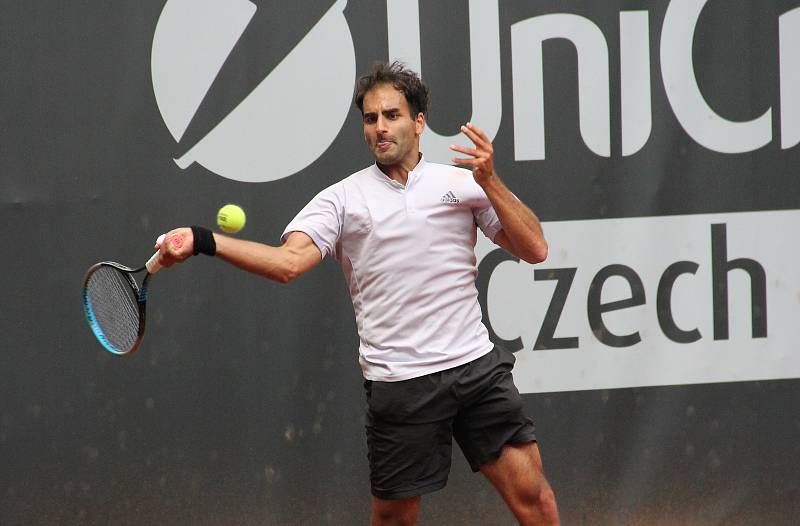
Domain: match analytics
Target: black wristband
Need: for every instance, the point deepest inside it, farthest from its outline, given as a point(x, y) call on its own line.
point(203, 241)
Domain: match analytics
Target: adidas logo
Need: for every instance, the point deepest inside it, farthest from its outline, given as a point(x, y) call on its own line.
point(450, 198)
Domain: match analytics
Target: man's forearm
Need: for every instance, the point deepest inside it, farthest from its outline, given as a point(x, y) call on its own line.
point(521, 234)
point(274, 263)
point(298, 255)
point(520, 225)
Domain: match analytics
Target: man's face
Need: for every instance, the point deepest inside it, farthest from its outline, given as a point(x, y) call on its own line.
point(392, 133)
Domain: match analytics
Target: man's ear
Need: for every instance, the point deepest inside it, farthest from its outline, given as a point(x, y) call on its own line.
point(420, 123)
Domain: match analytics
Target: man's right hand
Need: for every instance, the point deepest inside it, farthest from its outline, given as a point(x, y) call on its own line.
point(178, 245)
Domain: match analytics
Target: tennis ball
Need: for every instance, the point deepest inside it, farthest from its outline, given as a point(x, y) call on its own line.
point(231, 218)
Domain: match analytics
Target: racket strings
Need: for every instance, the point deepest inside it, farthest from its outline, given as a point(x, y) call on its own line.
point(114, 307)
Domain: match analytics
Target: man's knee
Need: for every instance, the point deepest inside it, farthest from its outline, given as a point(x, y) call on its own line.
point(531, 496)
point(545, 500)
point(538, 503)
point(399, 512)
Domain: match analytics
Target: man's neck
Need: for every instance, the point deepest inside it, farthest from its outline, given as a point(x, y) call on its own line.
point(399, 172)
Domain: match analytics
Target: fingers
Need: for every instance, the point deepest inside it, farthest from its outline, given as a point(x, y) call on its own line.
point(174, 246)
point(483, 146)
point(481, 156)
point(465, 161)
point(176, 241)
point(463, 149)
point(468, 151)
point(476, 135)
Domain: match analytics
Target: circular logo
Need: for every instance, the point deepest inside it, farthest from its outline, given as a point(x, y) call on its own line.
point(284, 123)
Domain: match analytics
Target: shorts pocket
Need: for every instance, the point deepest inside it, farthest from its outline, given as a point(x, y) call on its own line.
point(404, 401)
point(505, 356)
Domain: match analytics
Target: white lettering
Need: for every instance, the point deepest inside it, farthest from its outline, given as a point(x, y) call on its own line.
point(527, 37)
point(634, 40)
point(789, 28)
point(699, 120)
point(650, 301)
point(484, 33)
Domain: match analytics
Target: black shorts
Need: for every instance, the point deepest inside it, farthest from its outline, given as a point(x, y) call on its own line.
point(410, 424)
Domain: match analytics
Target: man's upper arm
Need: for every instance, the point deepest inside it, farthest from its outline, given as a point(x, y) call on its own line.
point(303, 251)
point(320, 220)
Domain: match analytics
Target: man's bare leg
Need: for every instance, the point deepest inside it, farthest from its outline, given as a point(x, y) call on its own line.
point(401, 512)
point(519, 477)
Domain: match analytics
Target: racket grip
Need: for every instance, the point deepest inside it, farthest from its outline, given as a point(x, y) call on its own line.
point(152, 264)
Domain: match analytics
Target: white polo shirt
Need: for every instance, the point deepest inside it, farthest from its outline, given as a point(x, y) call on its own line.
point(408, 256)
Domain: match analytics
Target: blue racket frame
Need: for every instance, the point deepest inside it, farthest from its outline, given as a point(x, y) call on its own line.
point(141, 300)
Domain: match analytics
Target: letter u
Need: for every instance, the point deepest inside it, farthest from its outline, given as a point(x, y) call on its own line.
point(484, 37)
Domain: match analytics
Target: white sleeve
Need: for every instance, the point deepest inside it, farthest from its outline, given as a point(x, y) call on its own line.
point(321, 220)
point(485, 216)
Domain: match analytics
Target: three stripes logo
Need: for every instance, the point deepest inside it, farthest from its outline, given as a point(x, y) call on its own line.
point(450, 198)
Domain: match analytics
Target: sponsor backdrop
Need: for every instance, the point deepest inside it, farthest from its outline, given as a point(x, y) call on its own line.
point(657, 346)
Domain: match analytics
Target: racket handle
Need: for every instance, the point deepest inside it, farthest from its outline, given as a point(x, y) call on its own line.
point(152, 264)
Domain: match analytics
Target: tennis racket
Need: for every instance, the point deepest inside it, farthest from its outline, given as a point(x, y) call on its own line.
point(115, 305)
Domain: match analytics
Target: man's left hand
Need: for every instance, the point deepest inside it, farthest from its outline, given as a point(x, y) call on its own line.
point(482, 156)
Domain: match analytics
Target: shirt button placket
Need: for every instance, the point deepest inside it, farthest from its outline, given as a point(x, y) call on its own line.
point(409, 199)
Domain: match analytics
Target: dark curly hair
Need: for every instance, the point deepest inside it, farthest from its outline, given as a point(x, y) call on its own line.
point(402, 79)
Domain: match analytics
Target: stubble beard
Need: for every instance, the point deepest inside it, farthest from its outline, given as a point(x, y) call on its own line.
point(389, 157)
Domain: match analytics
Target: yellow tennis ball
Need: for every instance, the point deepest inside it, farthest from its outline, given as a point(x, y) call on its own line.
point(231, 218)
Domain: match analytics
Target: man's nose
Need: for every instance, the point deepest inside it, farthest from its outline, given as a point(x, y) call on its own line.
point(380, 124)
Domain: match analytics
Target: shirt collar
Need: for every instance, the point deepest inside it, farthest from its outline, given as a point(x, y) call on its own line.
point(414, 174)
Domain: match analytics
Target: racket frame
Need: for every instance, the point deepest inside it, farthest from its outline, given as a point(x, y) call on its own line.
point(141, 301)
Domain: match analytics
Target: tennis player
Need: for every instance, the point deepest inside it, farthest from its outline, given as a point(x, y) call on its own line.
point(404, 231)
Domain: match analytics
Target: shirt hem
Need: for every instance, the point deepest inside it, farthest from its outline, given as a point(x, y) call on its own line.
point(430, 369)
